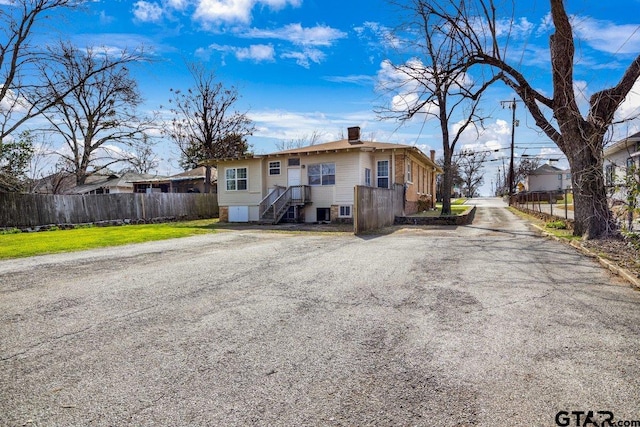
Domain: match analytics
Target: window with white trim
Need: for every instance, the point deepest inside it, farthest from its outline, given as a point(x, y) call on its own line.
point(409, 171)
point(345, 212)
point(236, 178)
point(367, 177)
point(322, 174)
point(274, 168)
point(383, 174)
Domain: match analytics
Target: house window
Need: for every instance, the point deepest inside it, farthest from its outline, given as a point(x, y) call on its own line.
point(345, 212)
point(610, 173)
point(630, 163)
point(322, 174)
point(367, 177)
point(236, 179)
point(383, 174)
point(560, 176)
point(409, 171)
point(293, 161)
point(274, 168)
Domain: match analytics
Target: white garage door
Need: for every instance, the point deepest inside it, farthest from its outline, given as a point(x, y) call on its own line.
point(238, 213)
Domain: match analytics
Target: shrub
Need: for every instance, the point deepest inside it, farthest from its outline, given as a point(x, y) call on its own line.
point(558, 225)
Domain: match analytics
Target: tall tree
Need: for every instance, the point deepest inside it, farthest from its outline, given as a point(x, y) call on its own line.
point(205, 125)
point(143, 159)
point(482, 31)
point(21, 62)
point(436, 83)
point(15, 156)
point(97, 118)
point(470, 164)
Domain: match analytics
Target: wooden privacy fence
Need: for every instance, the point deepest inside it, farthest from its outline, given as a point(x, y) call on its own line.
point(32, 210)
point(376, 207)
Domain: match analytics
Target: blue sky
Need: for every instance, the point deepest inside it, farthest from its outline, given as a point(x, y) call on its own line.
point(304, 66)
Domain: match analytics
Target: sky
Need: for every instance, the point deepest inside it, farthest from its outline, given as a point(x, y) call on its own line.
point(314, 66)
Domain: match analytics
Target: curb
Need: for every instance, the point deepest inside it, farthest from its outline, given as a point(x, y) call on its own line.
point(612, 267)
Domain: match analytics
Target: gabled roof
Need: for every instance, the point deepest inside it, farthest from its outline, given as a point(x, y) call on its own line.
point(624, 144)
point(547, 170)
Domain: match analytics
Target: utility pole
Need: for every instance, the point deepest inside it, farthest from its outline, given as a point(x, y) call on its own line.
point(514, 123)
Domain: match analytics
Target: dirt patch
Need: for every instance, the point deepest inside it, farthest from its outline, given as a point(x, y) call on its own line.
point(622, 251)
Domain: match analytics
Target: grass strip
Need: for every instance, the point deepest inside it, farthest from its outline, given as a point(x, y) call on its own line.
point(18, 245)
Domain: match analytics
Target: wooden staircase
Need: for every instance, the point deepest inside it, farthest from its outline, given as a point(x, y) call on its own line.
point(277, 203)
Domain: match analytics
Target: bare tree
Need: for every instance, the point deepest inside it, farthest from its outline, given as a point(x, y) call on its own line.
point(204, 125)
point(143, 159)
point(302, 141)
point(21, 62)
point(97, 119)
point(437, 85)
point(524, 168)
point(470, 164)
point(479, 30)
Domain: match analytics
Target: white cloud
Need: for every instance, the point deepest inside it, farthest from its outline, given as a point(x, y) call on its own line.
point(256, 53)
point(229, 11)
point(607, 36)
point(378, 35)
point(147, 12)
point(320, 35)
point(630, 108)
point(305, 57)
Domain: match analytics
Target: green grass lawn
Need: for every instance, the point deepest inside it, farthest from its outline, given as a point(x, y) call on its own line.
point(456, 209)
point(47, 242)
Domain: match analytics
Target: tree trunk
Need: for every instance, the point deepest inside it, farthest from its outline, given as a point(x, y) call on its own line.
point(207, 179)
point(591, 210)
point(447, 185)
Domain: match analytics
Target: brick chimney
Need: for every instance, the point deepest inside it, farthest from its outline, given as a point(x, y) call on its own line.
point(353, 134)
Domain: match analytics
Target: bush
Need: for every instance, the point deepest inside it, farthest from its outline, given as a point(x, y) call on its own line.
point(10, 231)
point(424, 204)
point(558, 225)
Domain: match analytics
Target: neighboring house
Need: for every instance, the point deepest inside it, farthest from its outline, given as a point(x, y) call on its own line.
point(618, 159)
point(548, 178)
point(191, 181)
point(108, 184)
point(316, 183)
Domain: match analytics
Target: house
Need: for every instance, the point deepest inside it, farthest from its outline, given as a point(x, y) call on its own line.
point(316, 183)
point(108, 184)
point(191, 181)
point(618, 160)
point(548, 178)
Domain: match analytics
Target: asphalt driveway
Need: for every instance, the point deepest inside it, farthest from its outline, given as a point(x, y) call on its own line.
point(484, 325)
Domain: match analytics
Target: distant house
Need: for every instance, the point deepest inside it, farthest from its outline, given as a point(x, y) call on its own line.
point(191, 181)
point(316, 183)
point(548, 178)
point(65, 183)
point(108, 184)
point(618, 159)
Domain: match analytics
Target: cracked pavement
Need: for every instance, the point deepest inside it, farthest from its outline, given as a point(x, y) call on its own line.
point(482, 325)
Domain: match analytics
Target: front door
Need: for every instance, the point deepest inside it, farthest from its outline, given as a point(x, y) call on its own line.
point(294, 178)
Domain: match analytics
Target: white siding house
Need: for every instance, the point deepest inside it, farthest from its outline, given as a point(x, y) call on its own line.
point(321, 178)
point(548, 178)
point(618, 159)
